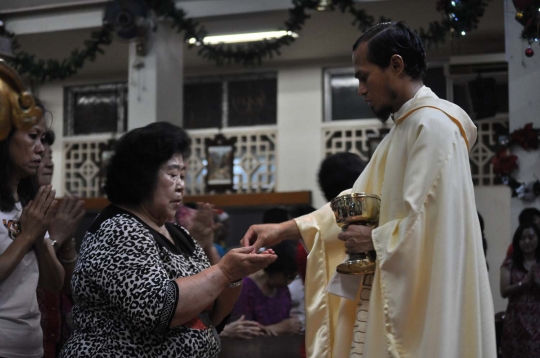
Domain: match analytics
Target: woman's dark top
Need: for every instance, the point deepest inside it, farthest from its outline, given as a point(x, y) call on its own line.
point(125, 294)
point(521, 327)
point(254, 305)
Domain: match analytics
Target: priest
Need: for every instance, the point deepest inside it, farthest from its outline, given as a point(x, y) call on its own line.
point(430, 294)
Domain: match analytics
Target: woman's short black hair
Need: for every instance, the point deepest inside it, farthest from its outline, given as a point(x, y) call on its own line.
point(395, 38)
point(132, 170)
point(517, 255)
point(338, 172)
point(27, 188)
point(285, 262)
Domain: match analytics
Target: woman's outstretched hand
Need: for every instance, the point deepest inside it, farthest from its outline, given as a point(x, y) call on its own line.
point(241, 262)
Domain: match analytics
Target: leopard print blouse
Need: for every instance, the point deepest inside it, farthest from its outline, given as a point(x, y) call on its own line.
point(125, 294)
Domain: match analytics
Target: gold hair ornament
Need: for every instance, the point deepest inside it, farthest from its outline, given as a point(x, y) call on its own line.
point(17, 105)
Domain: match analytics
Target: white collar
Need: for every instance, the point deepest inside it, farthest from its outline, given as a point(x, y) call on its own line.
point(423, 91)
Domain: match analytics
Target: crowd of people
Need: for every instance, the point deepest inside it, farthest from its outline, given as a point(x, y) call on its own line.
point(154, 277)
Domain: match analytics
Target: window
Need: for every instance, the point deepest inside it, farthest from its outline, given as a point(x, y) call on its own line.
point(230, 101)
point(342, 101)
point(95, 109)
point(481, 89)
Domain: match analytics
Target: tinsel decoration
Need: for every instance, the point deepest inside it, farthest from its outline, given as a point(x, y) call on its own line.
point(462, 16)
point(528, 15)
point(466, 16)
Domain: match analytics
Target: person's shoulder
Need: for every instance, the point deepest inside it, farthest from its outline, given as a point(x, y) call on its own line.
point(121, 224)
point(429, 115)
point(115, 227)
point(508, 264)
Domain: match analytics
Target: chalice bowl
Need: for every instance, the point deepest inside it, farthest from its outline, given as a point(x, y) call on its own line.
point(358, 209)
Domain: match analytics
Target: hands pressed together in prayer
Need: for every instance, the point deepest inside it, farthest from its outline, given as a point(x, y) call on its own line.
point(201, 225)
point(37, 215)
point(531, 277)
point(66, 220)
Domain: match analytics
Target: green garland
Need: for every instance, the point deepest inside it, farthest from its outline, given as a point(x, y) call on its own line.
point(460, 17)
point(47, 70)
point(527, 15)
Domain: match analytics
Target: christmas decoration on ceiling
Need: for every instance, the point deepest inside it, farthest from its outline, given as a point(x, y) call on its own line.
point(504, 162)
point(459, 18)
point(528, 15)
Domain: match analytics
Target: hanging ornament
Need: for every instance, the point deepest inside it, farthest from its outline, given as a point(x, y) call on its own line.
point(529, 52)
point(528, 15)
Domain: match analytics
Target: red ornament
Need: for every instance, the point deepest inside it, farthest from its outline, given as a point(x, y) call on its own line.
point(529, 52)
point(504, 162)
point(526, 137)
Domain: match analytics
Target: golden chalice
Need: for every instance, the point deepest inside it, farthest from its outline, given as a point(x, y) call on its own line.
point(360, 209)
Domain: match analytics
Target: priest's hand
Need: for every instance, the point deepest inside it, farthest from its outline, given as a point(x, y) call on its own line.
point(268, 235)
point(357, 239)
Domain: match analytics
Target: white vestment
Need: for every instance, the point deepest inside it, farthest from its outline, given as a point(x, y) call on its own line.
point(430, 296)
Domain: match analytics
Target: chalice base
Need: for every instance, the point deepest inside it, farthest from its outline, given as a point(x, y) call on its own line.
point(357, 264)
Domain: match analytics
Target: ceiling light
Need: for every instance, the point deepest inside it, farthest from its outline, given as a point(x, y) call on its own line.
point(248, 37)
point(324, 5)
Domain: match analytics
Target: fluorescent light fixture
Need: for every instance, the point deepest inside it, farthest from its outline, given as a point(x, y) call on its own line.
point(248, 37)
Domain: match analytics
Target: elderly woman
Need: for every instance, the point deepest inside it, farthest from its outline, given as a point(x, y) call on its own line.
point(27, 257)
point(142, 286)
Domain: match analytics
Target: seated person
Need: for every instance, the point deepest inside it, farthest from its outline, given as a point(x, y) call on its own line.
point(265, 297)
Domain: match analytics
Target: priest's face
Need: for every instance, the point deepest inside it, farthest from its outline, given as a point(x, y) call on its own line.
point(375, 84)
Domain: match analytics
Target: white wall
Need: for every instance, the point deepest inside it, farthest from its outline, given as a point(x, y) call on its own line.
point(524, 102)
point(299, 119)
point(493, 203)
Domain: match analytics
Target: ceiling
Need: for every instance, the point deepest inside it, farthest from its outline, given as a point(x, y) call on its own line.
point(325, 40)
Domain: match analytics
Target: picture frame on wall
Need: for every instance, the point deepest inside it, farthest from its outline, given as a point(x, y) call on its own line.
point(220, 162)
